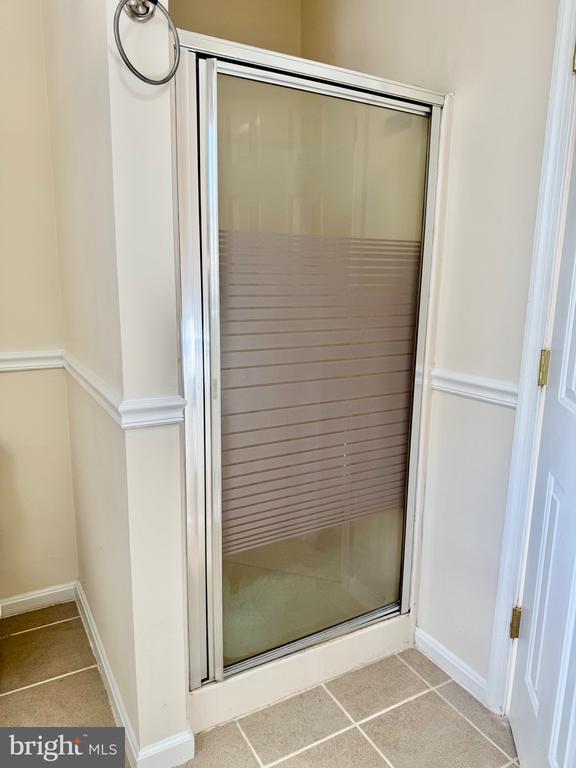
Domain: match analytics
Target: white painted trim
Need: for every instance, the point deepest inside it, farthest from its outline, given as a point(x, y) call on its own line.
point(40, 598)
point(129, 414)
point(151, 411)
point(259, 687)
point(474, 387)
point(167, 753)
point(106, 397)
point(548, 238)
point(423, 376)
point(468, 678)
point(176, 750)
point(118, 710)
point(31, 361)
point(138, 412)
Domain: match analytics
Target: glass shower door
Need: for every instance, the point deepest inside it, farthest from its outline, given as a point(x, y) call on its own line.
point(320, 202)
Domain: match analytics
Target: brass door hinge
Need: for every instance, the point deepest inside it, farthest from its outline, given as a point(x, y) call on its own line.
point(515, 623)
point(544, 367)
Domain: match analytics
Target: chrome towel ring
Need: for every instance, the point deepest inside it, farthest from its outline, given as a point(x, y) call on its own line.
point(142, 11)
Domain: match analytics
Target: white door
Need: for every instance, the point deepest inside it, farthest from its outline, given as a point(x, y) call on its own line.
point(543, 708)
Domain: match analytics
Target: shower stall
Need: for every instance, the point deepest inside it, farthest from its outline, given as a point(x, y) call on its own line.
point(304, 304)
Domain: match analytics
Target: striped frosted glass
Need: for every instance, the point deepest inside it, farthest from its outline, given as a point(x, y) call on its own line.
point(317, 357)
point(320, 203)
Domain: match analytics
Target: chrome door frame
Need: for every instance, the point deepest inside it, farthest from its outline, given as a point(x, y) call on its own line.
point(203, 58)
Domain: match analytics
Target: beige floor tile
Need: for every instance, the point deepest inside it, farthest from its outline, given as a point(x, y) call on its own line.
point(48, 652)
point(293, 724)
point(371, 689)
point(425, 668)
point(38, 618)
point(348, 750)
point(77, 700)
point(496, 728)
point(428, 733)
point(223, 747)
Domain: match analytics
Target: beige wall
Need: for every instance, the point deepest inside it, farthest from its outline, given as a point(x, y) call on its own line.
point(30, 299)
point(272, 24)
point(478, 51)
point(37, 541)
point(77, 67)
point(37, 537)
point(469, 457)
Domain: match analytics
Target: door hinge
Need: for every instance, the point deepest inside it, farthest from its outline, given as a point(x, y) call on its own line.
point(515, 623)
point(544, 367)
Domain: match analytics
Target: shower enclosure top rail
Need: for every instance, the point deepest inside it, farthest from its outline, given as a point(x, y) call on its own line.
point(326, 73)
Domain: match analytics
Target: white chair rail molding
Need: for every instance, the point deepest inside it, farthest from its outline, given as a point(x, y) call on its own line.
point(129, 414)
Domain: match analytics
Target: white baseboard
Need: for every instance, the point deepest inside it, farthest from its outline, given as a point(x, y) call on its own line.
point(170, 752)
point(41, 598)
point(176, 750)
point(118, 709)
point(464, 675)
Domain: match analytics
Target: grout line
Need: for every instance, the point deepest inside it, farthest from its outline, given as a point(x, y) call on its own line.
point(437, 689)
point(368, 739)
point(358, 724)
point(428, 683)
point(353, 724)
point(310, 746)
point(393, 706)
point(476, 728)
point(50, 680)
point(42, 626)
point(247, 740)
point(442, 685)
point(335, 700)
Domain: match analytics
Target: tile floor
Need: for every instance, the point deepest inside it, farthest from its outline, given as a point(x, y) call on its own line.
point(48, 674)
point(401, 712)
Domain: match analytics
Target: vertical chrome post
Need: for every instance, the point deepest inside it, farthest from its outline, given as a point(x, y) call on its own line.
point(211, 293)
point(192, 342)
point(415, 470)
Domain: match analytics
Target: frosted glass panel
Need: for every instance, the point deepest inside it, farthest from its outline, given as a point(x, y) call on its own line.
point(320, 215)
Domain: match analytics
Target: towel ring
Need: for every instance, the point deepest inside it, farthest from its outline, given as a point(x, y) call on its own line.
point(142, 11)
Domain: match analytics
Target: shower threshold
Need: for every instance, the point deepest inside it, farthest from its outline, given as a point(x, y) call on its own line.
point(360, 622)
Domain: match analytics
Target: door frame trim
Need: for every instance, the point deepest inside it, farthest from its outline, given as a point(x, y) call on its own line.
point(205, 635)
point(547, 248)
